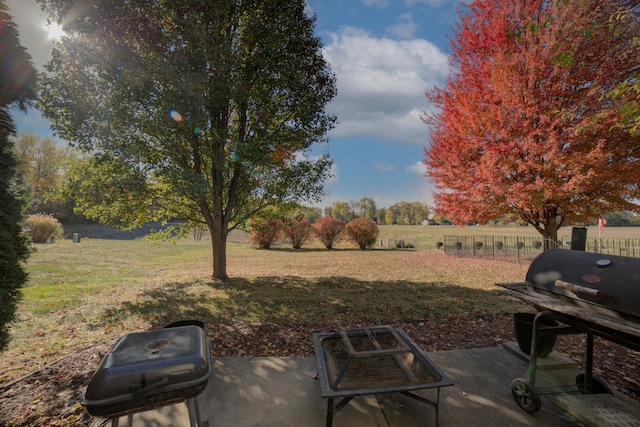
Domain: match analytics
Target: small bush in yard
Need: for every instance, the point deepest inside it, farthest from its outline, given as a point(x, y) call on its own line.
point(42, 228)
point(363, 232)
point(297, 230)
point(328, 229)
point(264, 232)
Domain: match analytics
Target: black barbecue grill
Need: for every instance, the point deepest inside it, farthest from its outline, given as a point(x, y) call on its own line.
point(145, 370)
point(594, 294)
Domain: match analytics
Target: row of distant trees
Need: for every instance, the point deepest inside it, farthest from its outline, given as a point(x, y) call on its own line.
point(42, 169)
point(43, 165)
point(401, 213)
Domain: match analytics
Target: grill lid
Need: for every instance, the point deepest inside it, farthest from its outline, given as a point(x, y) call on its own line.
point(596, 281)
point(142, 364)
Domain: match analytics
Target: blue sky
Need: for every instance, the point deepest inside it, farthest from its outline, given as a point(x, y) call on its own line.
point(385, 54)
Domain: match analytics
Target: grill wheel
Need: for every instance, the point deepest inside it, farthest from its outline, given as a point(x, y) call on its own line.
point(526, 395)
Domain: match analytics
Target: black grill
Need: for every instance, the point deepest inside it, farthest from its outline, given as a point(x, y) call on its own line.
point(145, 370)
point(593, 294)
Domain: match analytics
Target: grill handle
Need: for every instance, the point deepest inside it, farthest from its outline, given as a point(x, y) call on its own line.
point(139, 388)
point(577, 289)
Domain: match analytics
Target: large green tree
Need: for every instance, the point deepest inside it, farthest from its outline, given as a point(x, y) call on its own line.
point(525, 125)
point(200, 110)
point(17, 80)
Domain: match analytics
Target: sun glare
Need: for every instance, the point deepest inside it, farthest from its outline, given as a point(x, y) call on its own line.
point(55, 30)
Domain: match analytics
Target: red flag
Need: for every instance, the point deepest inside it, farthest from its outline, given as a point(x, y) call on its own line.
point(601, 223)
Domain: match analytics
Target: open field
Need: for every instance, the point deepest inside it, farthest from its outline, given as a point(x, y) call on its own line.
point(85, 295)
point(97, 290)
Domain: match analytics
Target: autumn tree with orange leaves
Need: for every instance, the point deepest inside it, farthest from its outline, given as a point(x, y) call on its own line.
point(524, 124)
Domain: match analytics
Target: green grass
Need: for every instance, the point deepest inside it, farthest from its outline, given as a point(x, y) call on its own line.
point(97, 290)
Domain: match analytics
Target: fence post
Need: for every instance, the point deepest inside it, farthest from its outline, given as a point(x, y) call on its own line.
point(493, 246)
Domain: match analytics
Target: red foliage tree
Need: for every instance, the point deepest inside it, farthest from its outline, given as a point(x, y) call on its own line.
point(264, 232)
point(524, 125)
point(297, 230)
point(364, 232)
point(328, 230)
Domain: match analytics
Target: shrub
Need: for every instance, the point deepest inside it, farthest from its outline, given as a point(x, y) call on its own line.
point(264, 232)
point(363, 232)
point(297, 230)
point(328, 229)
point(42, 228)
point(14, 244)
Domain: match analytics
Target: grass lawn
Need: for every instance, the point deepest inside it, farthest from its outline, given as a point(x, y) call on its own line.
point(99, 289)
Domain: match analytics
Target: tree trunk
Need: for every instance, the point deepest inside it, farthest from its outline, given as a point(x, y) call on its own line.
point(550, 238)
point(550, 232)
point(219, 248)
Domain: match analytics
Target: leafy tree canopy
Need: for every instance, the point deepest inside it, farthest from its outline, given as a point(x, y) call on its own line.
point(203, 111)
point(524, 124)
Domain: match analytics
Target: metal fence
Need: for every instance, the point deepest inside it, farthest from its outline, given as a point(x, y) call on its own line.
point(526, 248)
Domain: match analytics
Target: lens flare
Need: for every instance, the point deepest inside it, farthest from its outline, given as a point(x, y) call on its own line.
point(175, 115)
point(54, 30)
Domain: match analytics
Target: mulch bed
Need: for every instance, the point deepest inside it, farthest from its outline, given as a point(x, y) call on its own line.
point(50, 396)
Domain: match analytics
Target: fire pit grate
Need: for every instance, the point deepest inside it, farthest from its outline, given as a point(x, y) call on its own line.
point(392, 364)
point(373, 360)
point(375, 370)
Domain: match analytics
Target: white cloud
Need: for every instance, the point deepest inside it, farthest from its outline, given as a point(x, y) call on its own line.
point(381, 84)
point(335, 177)
point(434, 3)
point(405, 28)
point(383, 167)
point(417, 168)
point(377, 3)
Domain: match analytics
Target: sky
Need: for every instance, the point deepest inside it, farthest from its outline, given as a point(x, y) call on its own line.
point(385, 55)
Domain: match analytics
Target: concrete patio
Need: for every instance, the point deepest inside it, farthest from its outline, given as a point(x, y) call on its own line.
point(272, 391)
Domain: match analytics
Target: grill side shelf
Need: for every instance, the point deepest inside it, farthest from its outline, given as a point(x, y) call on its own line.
point(617, 329)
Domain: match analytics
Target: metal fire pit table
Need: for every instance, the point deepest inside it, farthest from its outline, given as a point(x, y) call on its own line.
point(372, 360)
point(145, 370)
